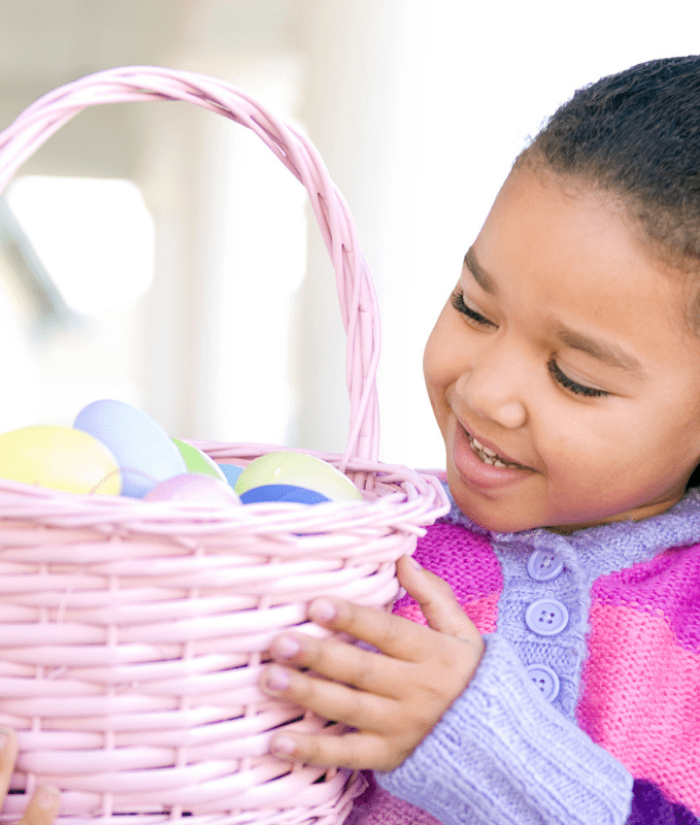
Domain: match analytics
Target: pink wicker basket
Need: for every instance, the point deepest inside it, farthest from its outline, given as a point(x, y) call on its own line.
point(132, 633)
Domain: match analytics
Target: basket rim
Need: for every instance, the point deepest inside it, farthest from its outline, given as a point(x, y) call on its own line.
point(409, 498)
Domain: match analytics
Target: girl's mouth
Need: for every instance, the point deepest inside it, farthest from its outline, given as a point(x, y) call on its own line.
point(480, 467)
point(489, 456)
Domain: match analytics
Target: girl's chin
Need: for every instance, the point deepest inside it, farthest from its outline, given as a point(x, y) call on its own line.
point(520, 514)
point(488, 511)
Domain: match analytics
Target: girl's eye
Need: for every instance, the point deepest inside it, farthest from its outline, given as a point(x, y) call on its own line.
point(460, 306)
point(572, 386)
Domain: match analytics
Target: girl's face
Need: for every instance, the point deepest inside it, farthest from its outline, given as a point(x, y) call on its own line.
point(562, 371)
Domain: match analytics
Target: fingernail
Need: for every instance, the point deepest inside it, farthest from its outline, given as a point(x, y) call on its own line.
point(322, 610)
point(414, 564)
point(4, 736)
point(285, 647)
point(283, 745)
point(277, 678)
point(47, 797)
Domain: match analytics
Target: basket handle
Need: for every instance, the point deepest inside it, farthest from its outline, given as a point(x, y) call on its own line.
point(358, 303)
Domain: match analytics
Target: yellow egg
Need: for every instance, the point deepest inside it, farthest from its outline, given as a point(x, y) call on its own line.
point(60, 458)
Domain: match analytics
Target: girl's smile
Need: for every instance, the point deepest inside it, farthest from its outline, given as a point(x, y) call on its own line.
point(563, 372)
point(484, 466)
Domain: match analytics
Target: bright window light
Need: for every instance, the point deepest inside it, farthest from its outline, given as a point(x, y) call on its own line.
point(95, 236)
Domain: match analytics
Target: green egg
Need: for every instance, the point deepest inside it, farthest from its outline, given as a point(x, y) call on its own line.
point(198, 462)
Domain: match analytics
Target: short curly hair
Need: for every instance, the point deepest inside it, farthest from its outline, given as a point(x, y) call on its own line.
point(636, 135)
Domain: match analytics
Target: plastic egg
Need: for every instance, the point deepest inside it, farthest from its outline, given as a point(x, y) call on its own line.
point(231, 472)
point(198, 462)
point(193, 487)
point(60, 458)
point(300, 470)
point(282, 492)
point(144, 451)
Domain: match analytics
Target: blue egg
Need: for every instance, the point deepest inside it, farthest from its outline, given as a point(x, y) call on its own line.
point(144, 451)
point(231, 471)
point(282, 492)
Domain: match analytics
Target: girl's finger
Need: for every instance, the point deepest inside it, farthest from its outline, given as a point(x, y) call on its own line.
point(436, 601)
point(356, 751)
point(42, 807)
point(328, 699)
point(8, 755)
point(397, 637)
point(339, 661)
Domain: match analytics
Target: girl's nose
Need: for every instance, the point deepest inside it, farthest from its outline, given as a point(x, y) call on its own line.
point(493, 388)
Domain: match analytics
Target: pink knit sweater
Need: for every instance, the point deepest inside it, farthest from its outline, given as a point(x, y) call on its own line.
point(594, 639)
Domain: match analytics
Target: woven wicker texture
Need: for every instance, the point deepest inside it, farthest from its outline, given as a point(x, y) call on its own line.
point(132, 633)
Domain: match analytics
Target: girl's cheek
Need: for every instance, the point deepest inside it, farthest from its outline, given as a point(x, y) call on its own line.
point(436, 362)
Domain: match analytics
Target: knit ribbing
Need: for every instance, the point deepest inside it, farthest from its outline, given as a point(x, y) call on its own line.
point(511, 758)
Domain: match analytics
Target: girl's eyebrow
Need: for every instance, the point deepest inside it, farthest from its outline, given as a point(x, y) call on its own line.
point(485, 281)
point(604, 351)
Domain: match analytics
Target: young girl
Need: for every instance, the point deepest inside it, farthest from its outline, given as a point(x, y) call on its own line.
point(561, 681)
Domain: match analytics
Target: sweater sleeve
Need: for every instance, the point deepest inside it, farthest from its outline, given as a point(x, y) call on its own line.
point(502, 754)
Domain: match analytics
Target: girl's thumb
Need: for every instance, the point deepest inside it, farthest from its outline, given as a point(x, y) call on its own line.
point(436, 600)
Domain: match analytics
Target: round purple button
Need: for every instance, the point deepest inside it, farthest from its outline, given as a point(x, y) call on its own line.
point(546, 617)
point(545, 680)
point(544, 565)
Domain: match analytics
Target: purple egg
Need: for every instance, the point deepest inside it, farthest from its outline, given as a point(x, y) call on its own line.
point(192, 487)
point(144, 452)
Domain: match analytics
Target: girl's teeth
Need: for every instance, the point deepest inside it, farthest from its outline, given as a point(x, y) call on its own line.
point(483, 449)
point(488, 456)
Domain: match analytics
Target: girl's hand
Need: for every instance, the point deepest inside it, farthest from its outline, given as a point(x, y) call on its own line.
point(393, 698)
point(43, 804)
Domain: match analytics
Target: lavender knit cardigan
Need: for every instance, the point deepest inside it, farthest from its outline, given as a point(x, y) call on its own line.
point(585, 709)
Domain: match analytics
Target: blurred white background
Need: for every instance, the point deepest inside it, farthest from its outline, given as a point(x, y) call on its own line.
point(159, 254)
